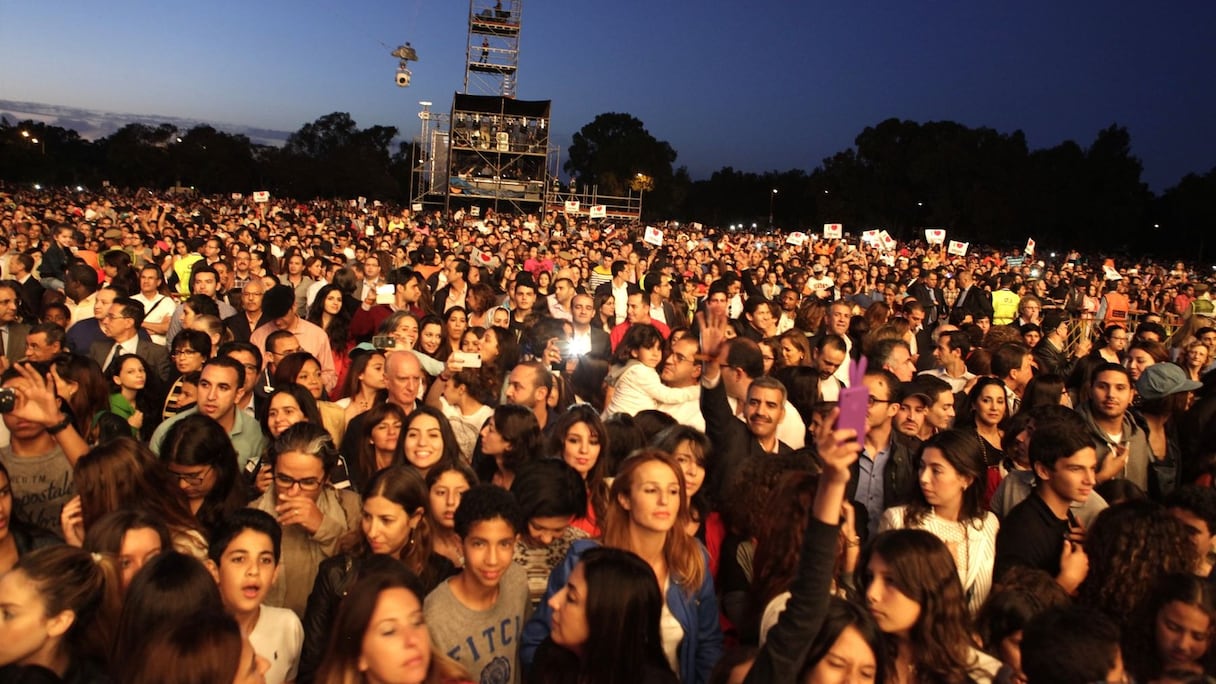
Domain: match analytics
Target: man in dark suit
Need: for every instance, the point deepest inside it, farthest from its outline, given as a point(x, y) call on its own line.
point(121, 325)
point(658, 287)
point(12, 333)
point(457, 288)
point(250, 316)
point(929, 295)
point(21, 268)
point(587, 339)
point(973, 300)
point(736, 442)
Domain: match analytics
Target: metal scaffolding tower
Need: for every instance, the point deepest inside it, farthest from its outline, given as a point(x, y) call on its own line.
point(492, 54)
point(498, 152)
point(429, 166)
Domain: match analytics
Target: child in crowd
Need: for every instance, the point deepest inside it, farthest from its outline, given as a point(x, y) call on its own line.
point(477, 616)
point(244, 557)
point(633, 383)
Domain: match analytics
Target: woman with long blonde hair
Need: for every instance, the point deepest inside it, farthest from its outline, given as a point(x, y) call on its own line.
point(648, 515)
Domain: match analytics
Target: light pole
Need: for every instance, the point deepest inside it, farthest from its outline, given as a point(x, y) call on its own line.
point(771, 199)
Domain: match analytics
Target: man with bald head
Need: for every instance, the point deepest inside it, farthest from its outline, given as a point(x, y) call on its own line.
point(403, 386)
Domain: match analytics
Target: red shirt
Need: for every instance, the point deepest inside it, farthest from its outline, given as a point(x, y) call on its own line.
point(618, 333)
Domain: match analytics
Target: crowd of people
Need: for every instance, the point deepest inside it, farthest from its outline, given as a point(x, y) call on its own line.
point(338, 442)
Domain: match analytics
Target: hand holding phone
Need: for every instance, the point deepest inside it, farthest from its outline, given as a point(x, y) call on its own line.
point(855, 401)
point(466, 359)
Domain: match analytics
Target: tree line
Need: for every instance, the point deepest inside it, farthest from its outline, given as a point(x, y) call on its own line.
point(977, 183)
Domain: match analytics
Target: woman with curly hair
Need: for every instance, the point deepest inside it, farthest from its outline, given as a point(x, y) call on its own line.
point(327, 312)
point(1129, 546)
point(1173, 639)
point(912, 589)
point(1195, 358)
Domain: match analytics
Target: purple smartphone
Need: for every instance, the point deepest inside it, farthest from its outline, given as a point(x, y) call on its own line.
point(854, 400)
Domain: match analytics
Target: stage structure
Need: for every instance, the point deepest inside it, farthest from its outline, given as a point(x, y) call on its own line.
point(429, 166)
point(492, 53)
point(498, 153)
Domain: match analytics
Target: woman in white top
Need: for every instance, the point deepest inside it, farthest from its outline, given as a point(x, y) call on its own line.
point(951, 507)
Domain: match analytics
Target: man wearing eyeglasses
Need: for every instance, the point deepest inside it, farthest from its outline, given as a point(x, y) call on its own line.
point(121, 324)
point(220, 390)
point(885, 474)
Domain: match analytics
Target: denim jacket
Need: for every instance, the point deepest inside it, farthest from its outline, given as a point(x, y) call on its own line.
point(697, 613)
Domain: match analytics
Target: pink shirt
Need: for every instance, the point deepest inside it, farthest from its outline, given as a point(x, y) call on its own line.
point(312, 340)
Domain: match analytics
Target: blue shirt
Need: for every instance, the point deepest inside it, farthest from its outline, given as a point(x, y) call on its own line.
point(870, 485)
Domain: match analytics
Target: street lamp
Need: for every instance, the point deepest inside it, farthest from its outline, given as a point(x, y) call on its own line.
point(771, 199)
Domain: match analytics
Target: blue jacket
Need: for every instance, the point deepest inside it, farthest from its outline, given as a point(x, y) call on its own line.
point(697, 614)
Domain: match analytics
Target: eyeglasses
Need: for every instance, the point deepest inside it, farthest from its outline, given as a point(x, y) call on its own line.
point(108, 317)
point(873, 400)
point(184, 352)
point(192, 479)
point(285, 482)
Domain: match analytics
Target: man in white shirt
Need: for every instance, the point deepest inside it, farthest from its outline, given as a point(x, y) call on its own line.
point(820, 283)
point(561, 299)
point(157, 307)
point(683, 369)
point(953, 348)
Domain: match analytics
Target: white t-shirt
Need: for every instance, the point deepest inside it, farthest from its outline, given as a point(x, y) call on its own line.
point(159, 314)
point(278, 637)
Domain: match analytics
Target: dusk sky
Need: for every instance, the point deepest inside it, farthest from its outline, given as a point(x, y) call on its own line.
point(756, 85)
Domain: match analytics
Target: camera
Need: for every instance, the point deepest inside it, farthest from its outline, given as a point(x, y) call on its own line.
point(403, 78)
point(8, 399)
point(384, 342)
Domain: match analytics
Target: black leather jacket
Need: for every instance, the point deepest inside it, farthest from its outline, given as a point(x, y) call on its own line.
point(335, 577)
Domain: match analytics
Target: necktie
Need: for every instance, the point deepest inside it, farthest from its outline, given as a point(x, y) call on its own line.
point(114, 352)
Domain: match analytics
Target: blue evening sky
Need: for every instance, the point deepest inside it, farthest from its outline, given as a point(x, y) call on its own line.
point(758, 85)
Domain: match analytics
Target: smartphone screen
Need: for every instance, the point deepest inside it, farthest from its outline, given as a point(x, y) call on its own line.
point(854, 407)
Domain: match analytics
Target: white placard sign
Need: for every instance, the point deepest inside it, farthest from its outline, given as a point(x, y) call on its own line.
point(833, 231)
point(261, 196)
point(571, 206)
point(958, 248)
point(935, 236)
point(796, 239)
point(888, 242)
point(599, 211)
point(653, 236)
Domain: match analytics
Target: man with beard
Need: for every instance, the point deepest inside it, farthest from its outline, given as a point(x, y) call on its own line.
point(830, 354)
point(1121, 444)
